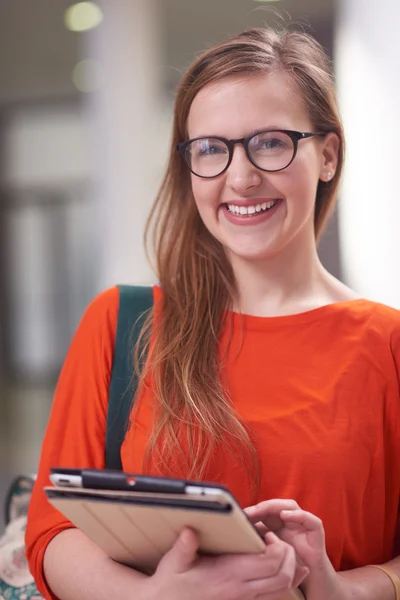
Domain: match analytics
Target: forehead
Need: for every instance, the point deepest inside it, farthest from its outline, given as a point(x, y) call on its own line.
point(237, 106)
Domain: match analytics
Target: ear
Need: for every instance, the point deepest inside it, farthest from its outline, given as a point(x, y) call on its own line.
point(329, 156)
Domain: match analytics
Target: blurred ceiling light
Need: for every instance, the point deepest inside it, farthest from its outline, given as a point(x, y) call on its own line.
point(265, 1)
point(83, 16)
point(88, 76)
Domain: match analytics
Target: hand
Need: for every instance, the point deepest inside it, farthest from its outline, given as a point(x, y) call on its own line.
point(299, 528)
point(183, 574)
point(305, 532)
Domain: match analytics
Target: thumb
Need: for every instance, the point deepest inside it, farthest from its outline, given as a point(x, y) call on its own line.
point(182, 554)
point(300, 575)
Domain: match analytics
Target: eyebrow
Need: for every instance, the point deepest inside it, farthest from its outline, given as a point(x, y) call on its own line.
point(270, 128)
point(249, 133)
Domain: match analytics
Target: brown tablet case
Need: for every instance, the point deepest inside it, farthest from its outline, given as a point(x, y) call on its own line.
point(137, 530)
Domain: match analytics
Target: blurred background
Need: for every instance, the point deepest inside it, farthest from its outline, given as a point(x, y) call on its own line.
point(86, 95)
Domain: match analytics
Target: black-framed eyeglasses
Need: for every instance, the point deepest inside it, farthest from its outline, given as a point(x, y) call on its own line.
point(271, 150)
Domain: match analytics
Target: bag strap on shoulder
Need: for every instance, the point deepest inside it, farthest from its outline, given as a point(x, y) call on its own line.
point(133, 302)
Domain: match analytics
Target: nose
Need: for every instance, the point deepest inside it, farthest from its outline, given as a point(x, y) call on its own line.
point(241, 174)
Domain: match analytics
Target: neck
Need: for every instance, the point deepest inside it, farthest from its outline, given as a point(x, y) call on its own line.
point(292, 281)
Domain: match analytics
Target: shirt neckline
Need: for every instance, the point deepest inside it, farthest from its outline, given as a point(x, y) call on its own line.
point(314, 314)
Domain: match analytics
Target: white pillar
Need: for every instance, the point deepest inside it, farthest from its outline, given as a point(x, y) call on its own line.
point(125, 114)
point(367, 50)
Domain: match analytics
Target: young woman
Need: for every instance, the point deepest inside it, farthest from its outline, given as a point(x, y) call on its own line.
point(265, 373)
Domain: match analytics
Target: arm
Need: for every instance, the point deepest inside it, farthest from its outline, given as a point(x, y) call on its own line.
point(365, 583)
point(75, 434)
point(368, 583)
point(305, 532)
point(76, 569)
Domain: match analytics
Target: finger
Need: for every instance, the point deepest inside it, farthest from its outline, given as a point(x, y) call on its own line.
point(301, 573)
point(306, 519)
point(271, 538)
point(275, 504)
point(269, 513)
point(270, 507)
point(287, 571)
point(249, 567)
point(281, 581)
point(183, 553)
point(261, 528)
point(301, 570)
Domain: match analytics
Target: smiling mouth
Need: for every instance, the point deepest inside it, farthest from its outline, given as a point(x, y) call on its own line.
point(251, 211)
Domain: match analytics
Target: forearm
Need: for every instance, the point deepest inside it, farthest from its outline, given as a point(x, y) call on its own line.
point(76, 569)
point(365, 583)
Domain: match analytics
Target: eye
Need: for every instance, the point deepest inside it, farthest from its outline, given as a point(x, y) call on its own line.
point(208, 148)
point(271, 143)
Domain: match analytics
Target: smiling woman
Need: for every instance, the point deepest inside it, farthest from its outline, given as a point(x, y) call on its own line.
point(263, 372)
point(270, 166)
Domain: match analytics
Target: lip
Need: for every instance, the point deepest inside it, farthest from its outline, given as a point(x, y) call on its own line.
point(253, 220)
point(251, 201)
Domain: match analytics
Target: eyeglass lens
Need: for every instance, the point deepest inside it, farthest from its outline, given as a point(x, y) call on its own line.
point(269, 150)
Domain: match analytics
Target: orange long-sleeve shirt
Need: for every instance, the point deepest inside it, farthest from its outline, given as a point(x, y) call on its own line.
point(320, 392)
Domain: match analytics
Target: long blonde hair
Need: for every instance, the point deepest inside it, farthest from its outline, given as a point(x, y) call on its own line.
point(194, 415)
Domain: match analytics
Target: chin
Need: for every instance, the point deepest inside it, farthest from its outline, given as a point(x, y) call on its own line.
point(252, 254)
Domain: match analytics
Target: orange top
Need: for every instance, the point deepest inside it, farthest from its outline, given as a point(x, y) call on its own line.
point(320, 391)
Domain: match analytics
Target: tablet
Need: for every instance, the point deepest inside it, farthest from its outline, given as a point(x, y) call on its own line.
point(136, 519)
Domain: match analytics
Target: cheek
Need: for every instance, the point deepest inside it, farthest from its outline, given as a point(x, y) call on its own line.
point(206, 193)
point(301, 181)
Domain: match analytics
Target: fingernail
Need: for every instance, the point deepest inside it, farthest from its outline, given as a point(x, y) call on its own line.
point(271, 536)
point(185, 537)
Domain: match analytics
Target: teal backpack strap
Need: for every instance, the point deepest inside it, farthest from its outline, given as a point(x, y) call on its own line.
point(133, 302)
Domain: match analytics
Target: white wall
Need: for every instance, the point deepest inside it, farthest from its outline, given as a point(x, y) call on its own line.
point(50, 152)
point(46, 146)
point(46, 159)
point(368, 73)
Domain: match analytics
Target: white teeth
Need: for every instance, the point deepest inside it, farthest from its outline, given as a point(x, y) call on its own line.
point(250, 210)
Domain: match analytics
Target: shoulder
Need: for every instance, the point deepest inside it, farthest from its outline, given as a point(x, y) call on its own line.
point(380, 319)
point(368, 314)
point(94, 339)
point(95, 334)
point(386, 318)
point(102, 311)
point(106, 302)
point(383, 325)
